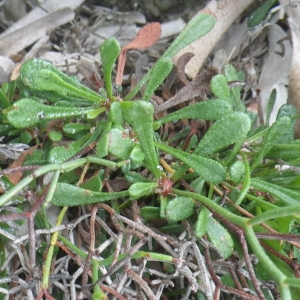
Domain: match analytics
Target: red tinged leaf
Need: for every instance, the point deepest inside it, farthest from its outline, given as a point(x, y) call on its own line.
point(146, 37)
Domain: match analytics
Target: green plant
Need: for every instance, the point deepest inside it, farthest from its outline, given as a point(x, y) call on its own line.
point(234, 172)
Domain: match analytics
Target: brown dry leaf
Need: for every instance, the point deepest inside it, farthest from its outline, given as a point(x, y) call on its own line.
point(146, 37)
point(15, 177)
point(198, 87)
point(293, 12)
point(275, 71)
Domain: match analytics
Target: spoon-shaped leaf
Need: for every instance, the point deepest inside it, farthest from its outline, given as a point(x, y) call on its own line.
point(211, 170)
point(198, 26)
point(158, 74)
point(38, 77)
point(70, 195)
point(180, 208)
point(29, 112)
point(232, 128)
point(109, 52)
point(139, 115)
point(205, 110)
point(276, 132)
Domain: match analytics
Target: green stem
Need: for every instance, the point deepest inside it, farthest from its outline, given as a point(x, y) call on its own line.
point(52, 188)
point(47, 266)
point(292, 282)
point(269, 266)
point(275, 213)
point(246, 181)
point(64, 167)
point(240, 221)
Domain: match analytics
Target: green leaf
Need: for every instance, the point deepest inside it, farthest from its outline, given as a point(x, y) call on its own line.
point(141, 189)
point(40, 77)
point(29, 112)
point(205, 110)
point(197, 27)
point(92, 114)
point(274, 135)
point(259, 14)
point(109, 52)
point(211, 170)
point(235, 92)
point(4, 102)
point(270, 106)
point(180, 208)
point(115, 114)
point(150, 212)
point(232, 128)
point(134, 177)
point(139, 115)
point(71, 195)
point(285, 152)
point(236, 171)
point(288, 110)
point(60, 154)
point(75, 128)
point(220, 238)
point(93, 184)
point(102, 145)
point(55, 136)
point(219, 87)
point(120, 143)
point(287, 196)
point(158, 74)
point(137, 155)
point(202, 222)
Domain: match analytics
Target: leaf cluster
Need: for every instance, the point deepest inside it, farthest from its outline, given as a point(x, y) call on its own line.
point(236, 176)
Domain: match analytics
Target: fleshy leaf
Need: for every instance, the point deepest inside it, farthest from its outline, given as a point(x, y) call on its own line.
point(29, 112)
point(119, 143)
point(60, 154)
point(150, 212)
point(180, 208)
point(211, 170)
point(285, 152)
point(139, 115)
point(232, 75)
point(75, 128)
point(270, 106)
point(109, 52)
point(202, 222)
point(140, 189)
point(93, 184)
point(71, 195)
point(259, 14)
point(158, 74)
point(198, 26)
point(231, 129)
point(236, 171)
point(220, 238)
point(219, 87)
point(205, 110)
point(287, 196)
point(276, 132)
point(39, 77)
